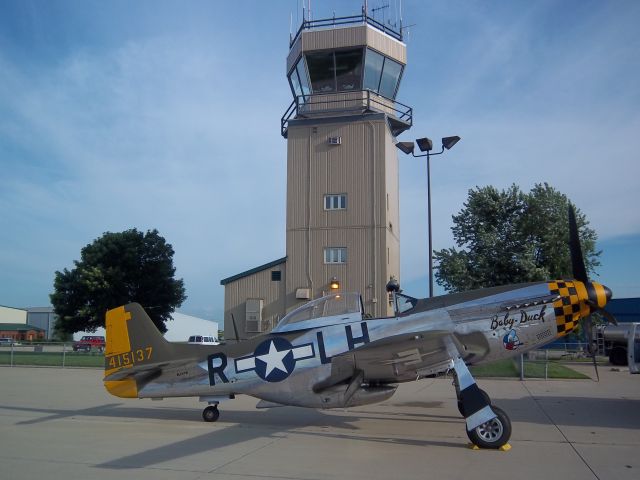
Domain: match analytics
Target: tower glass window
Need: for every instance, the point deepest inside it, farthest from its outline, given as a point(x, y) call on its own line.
point(304, 79)
point(335, 255)
point(295, 83)
point(299, 81)
point(345, 70)
point(390, 76)
point(381, 74)
point(349, 69)
point(335, 202)
point(372, 70)
point(322, 72)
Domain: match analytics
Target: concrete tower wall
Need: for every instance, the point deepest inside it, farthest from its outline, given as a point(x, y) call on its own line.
point(364, 167)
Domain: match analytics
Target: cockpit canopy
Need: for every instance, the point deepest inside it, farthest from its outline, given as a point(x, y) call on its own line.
point(403, 303)
point(329, 310)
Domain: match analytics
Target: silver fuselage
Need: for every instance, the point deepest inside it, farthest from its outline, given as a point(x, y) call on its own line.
point(296, 366)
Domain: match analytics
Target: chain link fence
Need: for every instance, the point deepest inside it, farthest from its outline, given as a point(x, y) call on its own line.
point(48, 354)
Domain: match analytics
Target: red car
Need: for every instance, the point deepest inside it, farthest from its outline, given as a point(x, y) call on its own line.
point(88, 343)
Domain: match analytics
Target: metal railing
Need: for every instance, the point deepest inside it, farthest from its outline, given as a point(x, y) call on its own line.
point(553, 353)
point(344, 102)
point(363, 18)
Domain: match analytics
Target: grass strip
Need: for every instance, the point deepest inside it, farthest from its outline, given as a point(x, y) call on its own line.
point(71, 359)
point(510, 368)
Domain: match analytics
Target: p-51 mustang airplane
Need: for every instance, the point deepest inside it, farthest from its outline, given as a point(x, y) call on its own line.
point(327, 354)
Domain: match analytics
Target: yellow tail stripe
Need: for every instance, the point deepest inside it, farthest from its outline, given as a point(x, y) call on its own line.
point(122, 388)
point(117, 331)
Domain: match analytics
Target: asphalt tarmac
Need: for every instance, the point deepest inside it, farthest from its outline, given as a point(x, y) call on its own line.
point(61, 424)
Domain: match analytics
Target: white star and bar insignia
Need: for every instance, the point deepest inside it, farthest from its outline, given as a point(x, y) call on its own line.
point(274, 359)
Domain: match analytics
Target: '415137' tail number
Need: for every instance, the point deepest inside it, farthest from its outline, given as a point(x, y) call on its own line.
point(128, 359)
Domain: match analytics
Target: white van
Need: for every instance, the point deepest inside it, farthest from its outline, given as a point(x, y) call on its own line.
point(203, 340)
point(8, 342)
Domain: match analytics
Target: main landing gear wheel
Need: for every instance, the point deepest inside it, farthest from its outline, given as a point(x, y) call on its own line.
point(211, 413)
point(493, 434)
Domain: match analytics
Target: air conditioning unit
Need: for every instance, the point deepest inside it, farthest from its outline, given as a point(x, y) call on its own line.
point(253, 315)
point(335, 140)
point(303, 293)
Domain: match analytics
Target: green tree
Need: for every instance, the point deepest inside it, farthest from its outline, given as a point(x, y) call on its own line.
point(116, 269)
point(509, 236)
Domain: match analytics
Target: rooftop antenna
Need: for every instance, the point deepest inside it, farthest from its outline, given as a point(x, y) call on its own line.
point(382, 7)
point(407, 29)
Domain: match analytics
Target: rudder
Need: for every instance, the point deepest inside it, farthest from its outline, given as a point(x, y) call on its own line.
point(132, 342)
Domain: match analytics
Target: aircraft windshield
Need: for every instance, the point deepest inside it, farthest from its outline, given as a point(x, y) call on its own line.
point(404, 303)
point(330, 306)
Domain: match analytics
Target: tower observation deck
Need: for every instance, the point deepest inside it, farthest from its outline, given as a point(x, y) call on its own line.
point(345, 66)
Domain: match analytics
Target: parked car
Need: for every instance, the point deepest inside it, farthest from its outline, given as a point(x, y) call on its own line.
point(88, 343)
point(203, 340)
point(8, 342)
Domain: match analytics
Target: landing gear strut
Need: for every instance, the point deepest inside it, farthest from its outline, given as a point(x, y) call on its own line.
point(487, 425)
point(211, 413)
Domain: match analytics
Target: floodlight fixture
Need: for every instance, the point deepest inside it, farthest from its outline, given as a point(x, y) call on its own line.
point(425, 144)
point(406, 147)
point(334, 284)
point(449, 142)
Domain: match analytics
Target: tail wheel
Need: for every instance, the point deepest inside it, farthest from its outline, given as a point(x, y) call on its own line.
point(493, 434)
point(211, 413)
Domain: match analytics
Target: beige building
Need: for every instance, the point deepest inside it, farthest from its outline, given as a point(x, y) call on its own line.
point(13, 315)
point(342, 222)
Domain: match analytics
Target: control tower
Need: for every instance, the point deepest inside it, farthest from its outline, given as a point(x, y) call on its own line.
point(342, 222)
point(342, 166)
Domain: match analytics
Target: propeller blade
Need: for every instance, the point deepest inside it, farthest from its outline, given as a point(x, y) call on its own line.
point(577, 260)
point(588, 330)
point(607, 315)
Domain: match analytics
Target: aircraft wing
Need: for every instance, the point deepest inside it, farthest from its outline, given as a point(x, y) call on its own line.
point(403, 357)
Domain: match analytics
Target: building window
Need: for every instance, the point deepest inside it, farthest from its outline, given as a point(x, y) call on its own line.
point(335, 202)
point(276, 275)
point(335, 255)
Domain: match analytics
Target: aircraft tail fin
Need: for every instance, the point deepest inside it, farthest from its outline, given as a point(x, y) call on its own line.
point(134, 347)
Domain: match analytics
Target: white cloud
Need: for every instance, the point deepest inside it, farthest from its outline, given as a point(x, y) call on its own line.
point(180, 132)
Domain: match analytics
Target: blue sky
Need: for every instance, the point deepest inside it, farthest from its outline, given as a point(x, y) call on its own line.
point(165, 114)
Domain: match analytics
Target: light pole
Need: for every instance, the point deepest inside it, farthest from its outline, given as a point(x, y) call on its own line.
point(426, 145)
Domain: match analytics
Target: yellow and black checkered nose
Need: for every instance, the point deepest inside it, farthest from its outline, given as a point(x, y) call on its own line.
point(576, 300)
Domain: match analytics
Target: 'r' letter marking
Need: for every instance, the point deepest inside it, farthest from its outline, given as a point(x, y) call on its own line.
point(219, 369)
